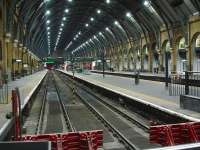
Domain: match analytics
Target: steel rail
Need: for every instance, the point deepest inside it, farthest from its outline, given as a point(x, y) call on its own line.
point(127, 143)
point(65, 112)
point(42, 110)
point(40, 121)
point(114, 108)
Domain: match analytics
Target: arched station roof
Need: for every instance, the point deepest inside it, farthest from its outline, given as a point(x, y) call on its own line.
point(47, 26)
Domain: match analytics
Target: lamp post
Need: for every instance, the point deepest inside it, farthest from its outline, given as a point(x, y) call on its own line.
point(166, 69)
point(20, 50)
point(72, 61)
point(7, 40)
point(167, 54)
point(15, 45)
point(24, 51)
point(103, 61)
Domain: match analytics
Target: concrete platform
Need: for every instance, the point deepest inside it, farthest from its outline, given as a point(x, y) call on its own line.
point(149, 92)
point(27, 86)
point(131, 73)
point(143, 75)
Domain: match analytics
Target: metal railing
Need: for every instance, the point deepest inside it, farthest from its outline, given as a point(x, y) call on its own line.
point(185, 84)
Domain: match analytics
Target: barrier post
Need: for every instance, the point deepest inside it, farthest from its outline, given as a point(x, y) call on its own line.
point(19, 111)
point(166, 69)
point(16, 114)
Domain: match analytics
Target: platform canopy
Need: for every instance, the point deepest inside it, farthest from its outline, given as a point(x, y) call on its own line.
point(66, 26)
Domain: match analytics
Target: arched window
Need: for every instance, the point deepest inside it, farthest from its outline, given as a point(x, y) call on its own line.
point(145, 50)
point(155, 48)
point(138, 52)
point(181, 43)
point(167, 49)
point(197, 45)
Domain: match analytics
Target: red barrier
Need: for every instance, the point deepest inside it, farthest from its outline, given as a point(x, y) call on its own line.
point(16, 111)
point(175, 134)
point(90, 140)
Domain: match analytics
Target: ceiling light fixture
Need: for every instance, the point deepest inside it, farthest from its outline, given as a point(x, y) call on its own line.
point(146, 2)
point(98, 11)
point(66, 10)
point(128, 14)
point(46, 1)
point(91, 19)
point(108, 1)
point(116, 23)
point(48, 12)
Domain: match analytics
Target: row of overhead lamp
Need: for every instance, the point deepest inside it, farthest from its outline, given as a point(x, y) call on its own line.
point(86, 25)
point(98, 12)
point(61, 28)
point(128, 15)
point(90, 40)
point(77, 35)
point(92, 19)
point(47, 13)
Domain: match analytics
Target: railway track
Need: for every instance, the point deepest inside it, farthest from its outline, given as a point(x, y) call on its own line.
point(134, 118)
point(130, 131)
point(84, 119)
point(31, 122)
point(65, 108)
point(49, 112)
point(54, 115)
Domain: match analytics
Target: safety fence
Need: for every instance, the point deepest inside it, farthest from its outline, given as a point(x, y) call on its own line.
point(91, 140)
point(175, 134)
point(185, 84)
